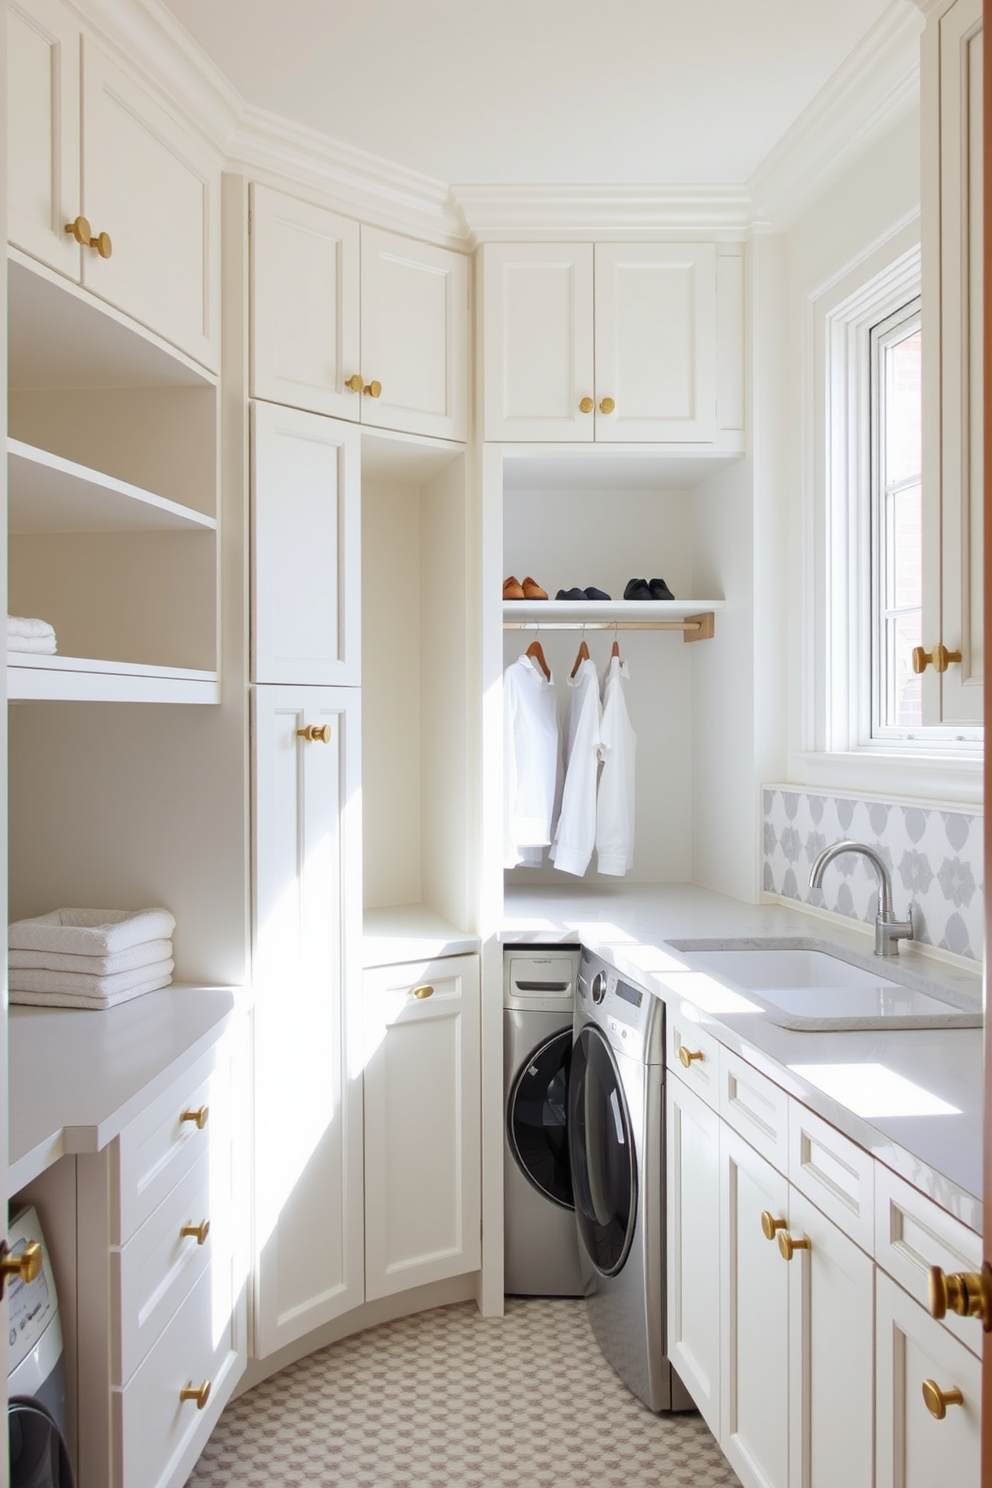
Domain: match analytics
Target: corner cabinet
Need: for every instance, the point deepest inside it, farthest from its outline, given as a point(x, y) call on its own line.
point(358, 323)
point(614, 343)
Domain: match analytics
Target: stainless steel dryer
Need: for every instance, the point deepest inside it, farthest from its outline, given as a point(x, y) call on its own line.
point(616, 1137)
point(541, 1253)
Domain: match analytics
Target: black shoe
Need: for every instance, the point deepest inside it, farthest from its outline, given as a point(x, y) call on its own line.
point(592, 593)
point(638, 589)
point(660, 590)
point(571, 594)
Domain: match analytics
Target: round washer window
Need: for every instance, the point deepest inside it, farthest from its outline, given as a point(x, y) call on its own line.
point(536, 1118)
point(601, 1148)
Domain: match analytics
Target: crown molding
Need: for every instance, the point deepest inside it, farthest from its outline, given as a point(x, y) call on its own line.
point(523, 213)
point(929, 6)
point(875, 87)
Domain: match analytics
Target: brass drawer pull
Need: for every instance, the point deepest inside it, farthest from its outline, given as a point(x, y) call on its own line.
point(356, 382)
point(422, 992)
point(770, 1225)
point(373, 389)
point(80, 230)
point(201, 1395)
point(607, 405)
point(26, 1263)
point(198, 1117)
point(939, 656)
point(937, 1400)
point(686, 1056)
point(586, 405)
point(195, 1232)
point(315, 733)
point(788, 1246)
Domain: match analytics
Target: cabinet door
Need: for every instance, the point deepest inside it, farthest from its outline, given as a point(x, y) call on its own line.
point(415, 331)
point(43, 189)
point(656, 345)
point(538, 341)
point(422, 1124)
point(831, 1354)
point(155, 188)
point(304, 305)
point(307, 933)
point(754, 1318)
point(305, 563)
point(916, 1450)
point(693, 1247)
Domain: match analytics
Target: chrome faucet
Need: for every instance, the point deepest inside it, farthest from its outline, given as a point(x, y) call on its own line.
point(888, 930)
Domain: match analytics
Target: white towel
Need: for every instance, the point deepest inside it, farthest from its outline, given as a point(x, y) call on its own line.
point(32, 645)
point(80, 1001)
point(17, 625)
point(90, 932)
point(145, 954)
point(91, 986)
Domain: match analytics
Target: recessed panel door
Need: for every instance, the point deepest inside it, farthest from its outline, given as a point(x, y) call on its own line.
point(693, 1246)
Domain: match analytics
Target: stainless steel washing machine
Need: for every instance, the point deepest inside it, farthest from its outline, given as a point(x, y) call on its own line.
point(616, 1137)
point(541, 1253)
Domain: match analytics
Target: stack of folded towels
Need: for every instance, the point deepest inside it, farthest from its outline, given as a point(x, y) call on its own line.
point(90, 958)
point(36, 636)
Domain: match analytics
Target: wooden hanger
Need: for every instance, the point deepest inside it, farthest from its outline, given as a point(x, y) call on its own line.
point(582, 656)
point(536, 650)
point(616, 650)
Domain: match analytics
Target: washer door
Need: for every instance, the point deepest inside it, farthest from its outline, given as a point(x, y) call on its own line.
point(38, 1457)
point(536, 1117)
point(601, 1148)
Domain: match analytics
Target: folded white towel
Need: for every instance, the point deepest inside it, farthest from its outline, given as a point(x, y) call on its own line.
point(90, 986)
point(80, 1001)
point(17, 625)
point(145, 954)
point(90, 932)
point(33, 645)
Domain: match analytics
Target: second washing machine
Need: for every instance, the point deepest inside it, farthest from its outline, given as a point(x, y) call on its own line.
point(541, 1254)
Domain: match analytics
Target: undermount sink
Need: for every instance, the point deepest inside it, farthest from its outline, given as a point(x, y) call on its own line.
point(804, 986)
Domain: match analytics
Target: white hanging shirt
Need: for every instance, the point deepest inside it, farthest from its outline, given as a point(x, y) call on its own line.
point(575, 834)
point(615, 804)
point(531, 750)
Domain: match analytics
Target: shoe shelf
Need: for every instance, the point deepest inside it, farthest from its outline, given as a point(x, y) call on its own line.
point(694, 617)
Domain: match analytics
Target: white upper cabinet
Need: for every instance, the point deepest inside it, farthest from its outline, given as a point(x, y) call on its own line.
point(305, 339)
point(358, 323)
point(90, 146)
point(617, 343)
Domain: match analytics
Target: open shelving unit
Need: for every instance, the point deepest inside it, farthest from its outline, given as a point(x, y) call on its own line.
point(693, 617)
point(47, 493)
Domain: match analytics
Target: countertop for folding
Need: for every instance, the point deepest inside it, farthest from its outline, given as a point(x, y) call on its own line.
point(920, 1112)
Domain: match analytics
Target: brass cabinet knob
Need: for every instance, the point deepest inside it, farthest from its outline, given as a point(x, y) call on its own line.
point(25, 1263)
point(81, 231)
point(198, 1117)
point(968, 1293)
point(586, 406)
point(356, 382)
point(686, 1056)
point(788, 1246)
point(190, 1392)
point(937, 1400)
point(607, 405)
point(102, 244)
point(373, 389)
point(195, 1232)
point(422, 992)
point(315, 733)
point(939, 656)
point(770, 1225)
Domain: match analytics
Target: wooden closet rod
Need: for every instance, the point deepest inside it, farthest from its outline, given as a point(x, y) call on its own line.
point(694, 627)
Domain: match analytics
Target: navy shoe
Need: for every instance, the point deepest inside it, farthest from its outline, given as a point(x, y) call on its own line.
point(660, 590)
point(592, 593)
point(571, 594)
point(638, 589)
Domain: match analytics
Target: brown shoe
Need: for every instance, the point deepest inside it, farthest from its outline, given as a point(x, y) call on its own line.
point(532, 590)
point(512, 588)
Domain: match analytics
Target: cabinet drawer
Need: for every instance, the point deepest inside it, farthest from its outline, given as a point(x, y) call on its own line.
point(912, 1234)
point(152, 1274)
point(158, 1437)
point(702, 1072)
point(755, 1107)
point(837, 1175)
point(158, 1147)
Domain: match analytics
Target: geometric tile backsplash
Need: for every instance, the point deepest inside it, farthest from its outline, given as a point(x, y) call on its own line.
point(935, 857)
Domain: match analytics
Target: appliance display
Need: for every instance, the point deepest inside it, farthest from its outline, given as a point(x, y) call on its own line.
point(541, 1254)
point(617, 1151)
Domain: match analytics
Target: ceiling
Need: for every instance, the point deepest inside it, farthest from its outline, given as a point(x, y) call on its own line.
point(530, 92)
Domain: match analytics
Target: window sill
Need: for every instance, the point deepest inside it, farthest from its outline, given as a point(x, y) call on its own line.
point(929, 778)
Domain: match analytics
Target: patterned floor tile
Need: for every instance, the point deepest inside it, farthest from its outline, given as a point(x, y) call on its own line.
point(448, 1399)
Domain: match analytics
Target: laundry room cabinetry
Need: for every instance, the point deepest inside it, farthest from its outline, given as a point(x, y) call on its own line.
point(356, 322)
point(613, 343)
point(422, 1123)
point(692, 1136)
point(91, 146)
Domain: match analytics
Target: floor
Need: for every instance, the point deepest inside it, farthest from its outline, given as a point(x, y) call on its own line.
point(450, 1399)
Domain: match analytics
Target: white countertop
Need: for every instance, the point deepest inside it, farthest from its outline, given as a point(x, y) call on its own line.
point(77, 1078)
point(411, 932)
point(631, 926)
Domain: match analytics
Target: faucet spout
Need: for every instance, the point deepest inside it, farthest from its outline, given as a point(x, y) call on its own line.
point(888, 930)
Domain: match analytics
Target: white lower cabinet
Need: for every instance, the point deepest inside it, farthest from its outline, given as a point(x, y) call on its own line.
point(422, 1123)
point(693, 1240)
point(917, 1449)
